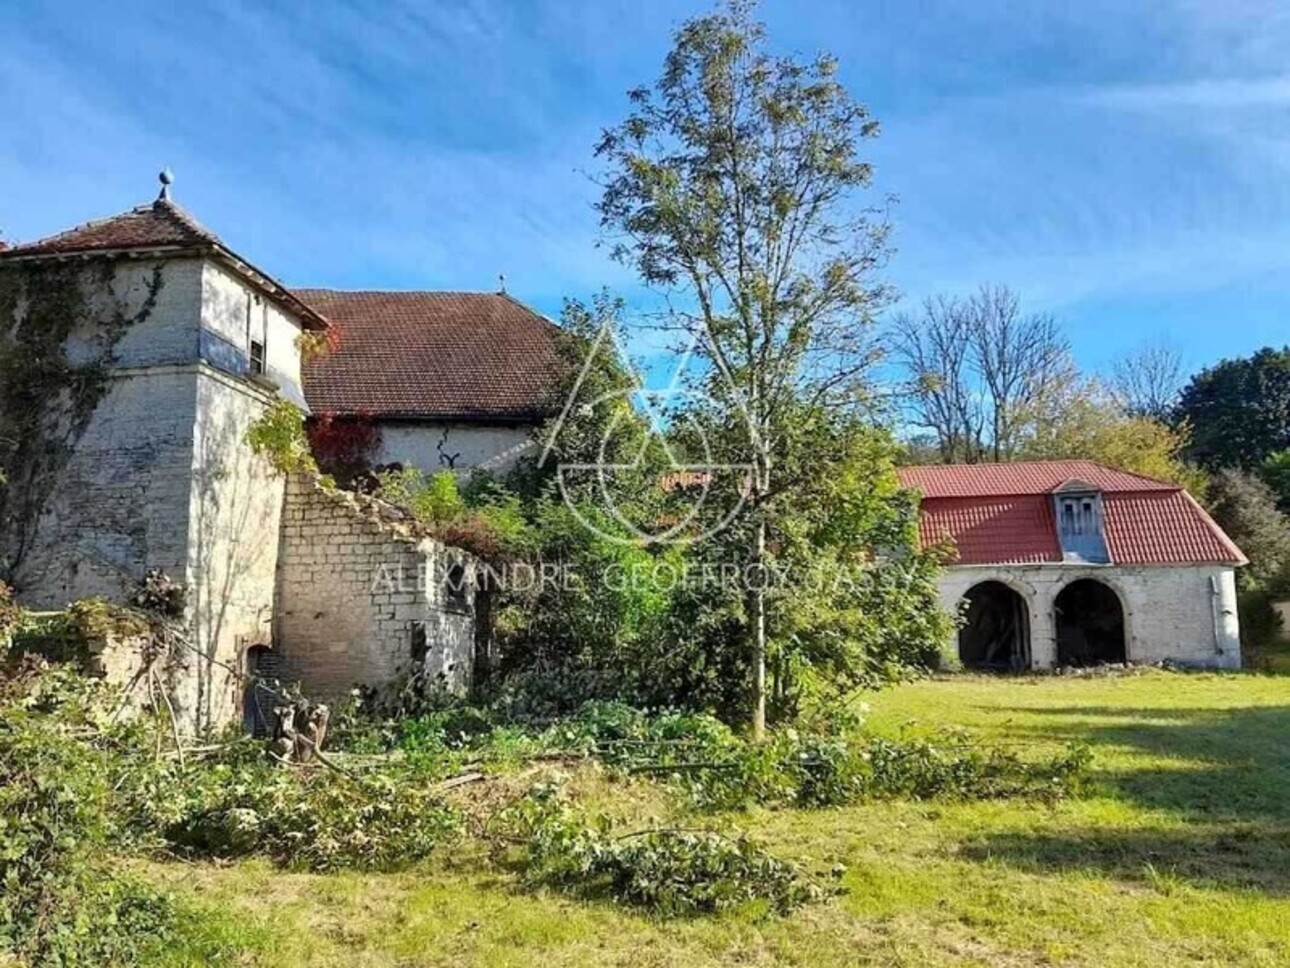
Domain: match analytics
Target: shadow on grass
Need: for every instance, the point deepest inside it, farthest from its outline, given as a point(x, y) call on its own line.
point(1252, 857)
point(1225, 772)
point(1216, 764)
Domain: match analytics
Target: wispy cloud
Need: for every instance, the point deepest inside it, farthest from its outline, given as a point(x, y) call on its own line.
point(1123, 164)
point(1223, 93)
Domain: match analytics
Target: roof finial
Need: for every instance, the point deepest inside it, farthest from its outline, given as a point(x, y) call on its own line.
point(167, 178)
point(501, 278)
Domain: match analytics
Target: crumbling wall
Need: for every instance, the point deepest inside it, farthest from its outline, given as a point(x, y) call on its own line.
point(363, 598)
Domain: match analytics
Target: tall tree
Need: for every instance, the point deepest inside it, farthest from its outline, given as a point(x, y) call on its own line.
point(936, 348)
point(1247, 510)
point(1147, 382)
point(1239, 410)
point(1022, 357)
point(980, 371)
point(1085, 420)
point(733, 184)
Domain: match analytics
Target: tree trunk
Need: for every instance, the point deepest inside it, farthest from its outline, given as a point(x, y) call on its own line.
point(757, 622)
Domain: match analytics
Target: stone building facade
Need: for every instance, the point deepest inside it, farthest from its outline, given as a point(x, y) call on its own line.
point(158, 476)
point(1062, 563)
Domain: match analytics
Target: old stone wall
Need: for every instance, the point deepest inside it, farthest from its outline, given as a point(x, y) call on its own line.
point(362, 599)
point(1184, 613)
point(231, 570)
point(120, 505)
point(162, 477)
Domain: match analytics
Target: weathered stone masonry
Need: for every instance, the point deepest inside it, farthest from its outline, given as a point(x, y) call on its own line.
point(1183, 614)
point(162, 478)
point(362, 598)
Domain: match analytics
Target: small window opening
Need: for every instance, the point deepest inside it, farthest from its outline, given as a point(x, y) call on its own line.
point(257, 358)
point(420, 646)
point(1079, 523)
point(456, 589)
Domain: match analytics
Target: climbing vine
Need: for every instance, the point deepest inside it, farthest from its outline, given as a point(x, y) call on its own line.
point(60, 325)
point(279, 437)
point(344, 446)
point(315, 344)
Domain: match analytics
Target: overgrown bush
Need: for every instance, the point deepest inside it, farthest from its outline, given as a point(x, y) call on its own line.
point(10, 614)
point(719, 770)
point(669, 872)
point(318, 821)
point(62, 902)
point(279, 437)
point(70, 635)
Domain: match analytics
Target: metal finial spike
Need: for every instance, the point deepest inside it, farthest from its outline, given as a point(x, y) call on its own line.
point(167, 178)
point(501, 277)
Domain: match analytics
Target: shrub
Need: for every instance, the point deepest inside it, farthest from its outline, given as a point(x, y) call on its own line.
point(61, 901)
point(317, 820)
point(668, 872)
point(10, 614)
point(279, 436)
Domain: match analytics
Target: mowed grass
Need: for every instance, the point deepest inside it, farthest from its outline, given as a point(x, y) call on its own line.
point(1179, 855)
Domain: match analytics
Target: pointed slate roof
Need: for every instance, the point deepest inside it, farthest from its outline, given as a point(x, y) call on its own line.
point(161, 228)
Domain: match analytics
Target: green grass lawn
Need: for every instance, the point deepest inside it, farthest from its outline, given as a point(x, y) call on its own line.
point(1179, 855)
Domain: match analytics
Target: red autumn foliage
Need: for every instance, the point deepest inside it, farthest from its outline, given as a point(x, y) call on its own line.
point(343, 445)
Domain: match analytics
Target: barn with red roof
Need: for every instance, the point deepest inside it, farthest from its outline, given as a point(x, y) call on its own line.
point(1070, 562)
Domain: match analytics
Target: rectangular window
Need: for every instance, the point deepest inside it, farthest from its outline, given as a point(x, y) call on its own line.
point(1079, 527)
point(257, 358)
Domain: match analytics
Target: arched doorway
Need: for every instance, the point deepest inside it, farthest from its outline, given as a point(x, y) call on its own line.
point(1090, 624)
point(996, 632)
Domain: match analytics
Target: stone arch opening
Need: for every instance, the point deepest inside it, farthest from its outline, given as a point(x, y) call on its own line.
point(1090, 624)
point(995, 634)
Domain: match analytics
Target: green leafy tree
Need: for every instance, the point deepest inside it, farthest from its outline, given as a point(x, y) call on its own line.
point(1275, 471)
point(1083, 420)
point(734, 183)
point(1246, 509)
point(1239, 410)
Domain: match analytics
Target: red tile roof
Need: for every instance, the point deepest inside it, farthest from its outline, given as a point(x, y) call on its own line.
point(165, 228)
point(161, 225)
point(1162, 528)
point(434, 356)
point(1003, 514)
point(1016, 529)
point(1025, 477)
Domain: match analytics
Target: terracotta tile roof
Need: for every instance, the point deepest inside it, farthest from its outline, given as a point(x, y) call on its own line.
point(1164, 527)
point(1025, 477)
point(1003, 514)
point(163, 224)
point(1015, 529)
point(434, 356)
point(164, 227)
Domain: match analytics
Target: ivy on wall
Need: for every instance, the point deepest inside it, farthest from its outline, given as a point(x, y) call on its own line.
point(279, 437)
point(49, 392)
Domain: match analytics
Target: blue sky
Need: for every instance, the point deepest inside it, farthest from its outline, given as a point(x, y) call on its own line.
point(1124, 165)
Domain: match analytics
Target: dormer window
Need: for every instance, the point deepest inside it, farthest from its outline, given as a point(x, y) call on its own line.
point(1078, 508)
